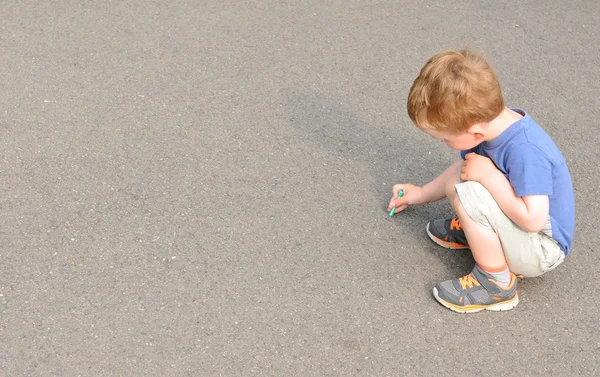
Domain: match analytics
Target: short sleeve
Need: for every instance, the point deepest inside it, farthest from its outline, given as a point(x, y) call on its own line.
point(529, 170)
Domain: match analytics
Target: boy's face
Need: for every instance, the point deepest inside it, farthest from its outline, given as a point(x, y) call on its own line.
point(457, 141)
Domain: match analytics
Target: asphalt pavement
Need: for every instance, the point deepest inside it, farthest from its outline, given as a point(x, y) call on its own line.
point(198, 188)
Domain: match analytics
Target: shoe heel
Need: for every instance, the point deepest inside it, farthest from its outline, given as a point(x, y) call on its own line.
point(505, 305)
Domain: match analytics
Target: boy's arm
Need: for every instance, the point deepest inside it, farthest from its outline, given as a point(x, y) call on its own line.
point(431, 192)
point(528, 212)
point(436, 189)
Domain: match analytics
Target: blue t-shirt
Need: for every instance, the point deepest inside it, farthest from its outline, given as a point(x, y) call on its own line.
point(532, 163)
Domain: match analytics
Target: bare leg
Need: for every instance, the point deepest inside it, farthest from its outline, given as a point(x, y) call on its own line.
point(484, 243)
point(490, 285)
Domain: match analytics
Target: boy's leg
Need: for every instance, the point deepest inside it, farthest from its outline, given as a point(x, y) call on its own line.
point(487, 229)
point(526, 253)
point(490, 285)
point(483, 242)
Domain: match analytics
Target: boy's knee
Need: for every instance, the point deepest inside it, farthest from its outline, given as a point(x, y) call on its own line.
point(477, 202)
point(450, 188)
point(451, 191)
point(472, 186)
point(472, 191)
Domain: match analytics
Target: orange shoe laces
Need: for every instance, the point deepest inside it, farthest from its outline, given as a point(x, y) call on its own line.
point(455, 224)
point(468, 281)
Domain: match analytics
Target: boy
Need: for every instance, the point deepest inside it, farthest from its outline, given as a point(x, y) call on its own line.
point(511, 191)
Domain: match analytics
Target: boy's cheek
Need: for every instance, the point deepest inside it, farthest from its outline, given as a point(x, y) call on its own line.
point(453, 146)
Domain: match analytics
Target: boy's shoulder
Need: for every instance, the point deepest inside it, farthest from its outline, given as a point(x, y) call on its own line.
point(524, 137)
point(528, 157)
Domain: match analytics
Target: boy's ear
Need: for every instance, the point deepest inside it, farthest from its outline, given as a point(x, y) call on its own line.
point(478, 131)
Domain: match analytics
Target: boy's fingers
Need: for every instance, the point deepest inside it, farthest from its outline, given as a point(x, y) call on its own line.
point(393, 204)
point(390, 205)
point(398, 203)
point(401, 208)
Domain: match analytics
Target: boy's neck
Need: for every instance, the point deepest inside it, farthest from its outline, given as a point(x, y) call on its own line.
point(499, 124)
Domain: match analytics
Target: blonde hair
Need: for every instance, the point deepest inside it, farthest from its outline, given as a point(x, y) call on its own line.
point(455, 90)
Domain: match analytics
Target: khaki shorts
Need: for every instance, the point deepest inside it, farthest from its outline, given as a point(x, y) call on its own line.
point(528, 254)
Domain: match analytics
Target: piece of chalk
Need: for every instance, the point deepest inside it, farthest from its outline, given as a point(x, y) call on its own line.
point(400, 194)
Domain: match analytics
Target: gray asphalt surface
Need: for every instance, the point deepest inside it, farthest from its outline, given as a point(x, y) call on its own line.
point(199, 189)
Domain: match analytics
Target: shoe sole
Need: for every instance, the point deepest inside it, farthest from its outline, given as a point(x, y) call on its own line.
point(447, 245)
point(499, 307)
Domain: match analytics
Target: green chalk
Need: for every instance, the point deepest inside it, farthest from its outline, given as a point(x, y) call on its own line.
point(400, 194)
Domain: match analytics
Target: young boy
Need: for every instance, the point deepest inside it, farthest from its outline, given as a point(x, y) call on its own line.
point(511, 191)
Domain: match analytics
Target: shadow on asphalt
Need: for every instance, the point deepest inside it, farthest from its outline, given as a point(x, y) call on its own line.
point(326, 124)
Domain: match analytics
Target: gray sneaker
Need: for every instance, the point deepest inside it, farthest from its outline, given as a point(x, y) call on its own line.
point(475, 292)
point(448, 233)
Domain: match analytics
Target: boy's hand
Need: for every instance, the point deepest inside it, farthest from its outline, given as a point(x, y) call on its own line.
point(413, 195)
point(477, 168)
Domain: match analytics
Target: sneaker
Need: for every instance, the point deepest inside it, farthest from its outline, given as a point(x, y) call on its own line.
point(475, 292)
point(448, 233)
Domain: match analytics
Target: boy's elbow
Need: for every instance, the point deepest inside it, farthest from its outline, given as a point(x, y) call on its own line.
point(537, 212)
point(533, 228)
point(535, 224)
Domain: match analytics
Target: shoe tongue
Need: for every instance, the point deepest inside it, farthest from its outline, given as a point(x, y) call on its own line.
point(478, 271)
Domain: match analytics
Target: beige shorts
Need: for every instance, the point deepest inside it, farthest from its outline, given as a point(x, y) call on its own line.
point(528, 254)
